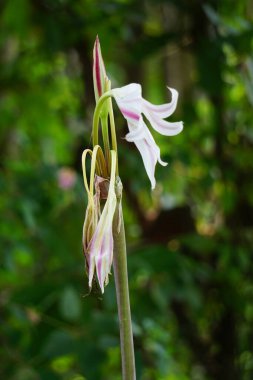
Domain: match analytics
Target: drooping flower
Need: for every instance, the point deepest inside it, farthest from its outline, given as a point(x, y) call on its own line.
point(97, 230)
point(132, 106)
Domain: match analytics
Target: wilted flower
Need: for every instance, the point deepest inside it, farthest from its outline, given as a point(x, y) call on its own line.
point(97, 230)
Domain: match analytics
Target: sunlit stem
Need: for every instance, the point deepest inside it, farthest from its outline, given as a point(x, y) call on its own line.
point(97, 114)
point(113, 133)
point(104, 122)
point(122, 290)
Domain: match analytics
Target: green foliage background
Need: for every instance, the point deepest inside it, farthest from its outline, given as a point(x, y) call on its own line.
point(189, 242)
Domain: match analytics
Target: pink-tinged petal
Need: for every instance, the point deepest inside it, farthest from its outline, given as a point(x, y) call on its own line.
point(99, 73)
point(129, 101)
point(100, 249)
point(136, 132)
point(149, 151)
point(163, 127)
point(104, 259)
point(148, 160)
point(89, 226)
point(164, 110)
point(129, 114)
point(157, 113)
point(132, 106)
point(91, 254)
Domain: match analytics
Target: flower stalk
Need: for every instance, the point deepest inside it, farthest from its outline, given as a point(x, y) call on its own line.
point(104, 242)
point(122, 290)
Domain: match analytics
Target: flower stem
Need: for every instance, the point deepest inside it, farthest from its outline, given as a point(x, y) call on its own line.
point(122, 291)
point(96, 116)
point(104, 122)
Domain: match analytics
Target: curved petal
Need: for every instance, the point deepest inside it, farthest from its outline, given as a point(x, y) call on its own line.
point(164, 127)
point(135, 132)
point(127, 93)
point(163, 110)
point(156, 113)
point(148, 149)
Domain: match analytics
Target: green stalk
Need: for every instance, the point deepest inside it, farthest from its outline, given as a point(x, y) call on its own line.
point(113, 133)
point(96, 116)
point(104, 122)
point(122, 291)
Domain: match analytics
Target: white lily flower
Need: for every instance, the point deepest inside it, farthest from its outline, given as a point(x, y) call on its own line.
point(132, 105)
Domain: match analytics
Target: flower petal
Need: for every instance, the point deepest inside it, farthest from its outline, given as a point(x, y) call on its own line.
point(156, 113)
point(164, 127)
point(101, 245)
point(147, 147)
point(163, 110)
point(129, 101)
point(100, 249)
point(132, 106)
point(104, 259)
point(135, 132)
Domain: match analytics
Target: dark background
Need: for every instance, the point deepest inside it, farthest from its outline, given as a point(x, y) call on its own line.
point(189, 241)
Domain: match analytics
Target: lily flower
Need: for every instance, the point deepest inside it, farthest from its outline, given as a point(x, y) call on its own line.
point(97, 231)
point(132, 106)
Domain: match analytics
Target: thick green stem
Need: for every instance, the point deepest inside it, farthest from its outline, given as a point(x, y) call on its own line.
point(122, 291)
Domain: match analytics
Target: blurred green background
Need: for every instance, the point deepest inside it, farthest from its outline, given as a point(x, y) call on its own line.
point(189, 241)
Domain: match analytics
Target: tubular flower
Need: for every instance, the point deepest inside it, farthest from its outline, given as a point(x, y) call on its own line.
point(97, 230)
point(132, 106)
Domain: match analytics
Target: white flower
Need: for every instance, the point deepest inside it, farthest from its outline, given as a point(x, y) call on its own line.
point(133, 106)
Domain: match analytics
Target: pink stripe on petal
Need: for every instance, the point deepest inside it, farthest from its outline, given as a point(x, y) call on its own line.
point(164, 127)
point(130, 114)
point(99, 269)
point(163, 110)
point(101, 262)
